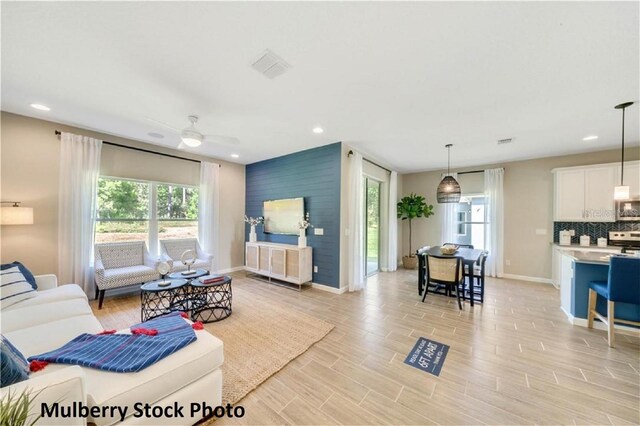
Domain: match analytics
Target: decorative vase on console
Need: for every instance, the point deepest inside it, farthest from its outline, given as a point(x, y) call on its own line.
point(303, 225)
point(302, 239)
point(253, 237)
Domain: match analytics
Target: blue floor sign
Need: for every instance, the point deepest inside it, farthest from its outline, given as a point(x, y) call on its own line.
point(428, 356)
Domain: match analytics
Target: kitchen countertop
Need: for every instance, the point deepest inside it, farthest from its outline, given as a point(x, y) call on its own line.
point(591, 247)
point(590, 256)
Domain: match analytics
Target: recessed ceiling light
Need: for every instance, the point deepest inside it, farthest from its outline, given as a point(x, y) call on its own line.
point(156, 135)
point(40, 107)
point(318, 130)
point(235, 156)
point(590, 138)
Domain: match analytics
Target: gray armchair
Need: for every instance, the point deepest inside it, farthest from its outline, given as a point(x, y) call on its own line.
point(171, 251)
point(123, 264)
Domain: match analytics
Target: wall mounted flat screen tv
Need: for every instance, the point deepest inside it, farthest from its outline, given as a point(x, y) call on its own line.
point(282, 216)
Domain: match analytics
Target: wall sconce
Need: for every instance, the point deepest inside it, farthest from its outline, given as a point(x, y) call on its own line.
point(15, 215)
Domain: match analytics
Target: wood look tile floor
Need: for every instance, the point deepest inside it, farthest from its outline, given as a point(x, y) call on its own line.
point(512, 360)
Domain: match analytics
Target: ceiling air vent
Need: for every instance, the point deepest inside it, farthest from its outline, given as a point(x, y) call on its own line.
point(504, 141)
point(270, 65)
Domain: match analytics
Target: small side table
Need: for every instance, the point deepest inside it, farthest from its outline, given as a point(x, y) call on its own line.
point(157, 299)
point(211, 302)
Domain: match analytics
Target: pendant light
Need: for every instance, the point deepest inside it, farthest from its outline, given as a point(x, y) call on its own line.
point(621, 192)
point(449, 188)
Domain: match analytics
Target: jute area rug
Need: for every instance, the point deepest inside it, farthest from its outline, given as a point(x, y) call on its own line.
point(260, 338)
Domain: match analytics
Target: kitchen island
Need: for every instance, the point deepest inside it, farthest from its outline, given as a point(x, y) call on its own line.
point(578, 269)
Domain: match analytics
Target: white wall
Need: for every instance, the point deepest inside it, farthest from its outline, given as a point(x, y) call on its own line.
point(29, 171)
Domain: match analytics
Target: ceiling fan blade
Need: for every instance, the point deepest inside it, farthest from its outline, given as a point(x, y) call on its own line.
point(163, 124)
point(225, 140)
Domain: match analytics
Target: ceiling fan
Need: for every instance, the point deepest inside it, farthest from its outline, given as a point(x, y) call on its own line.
point(191, 137)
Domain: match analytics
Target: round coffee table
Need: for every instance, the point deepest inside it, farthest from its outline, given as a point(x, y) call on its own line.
point(197, 273)
point(158, 299)
point(211, 302)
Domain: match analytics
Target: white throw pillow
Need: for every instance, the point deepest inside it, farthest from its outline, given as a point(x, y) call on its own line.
point(14, 287)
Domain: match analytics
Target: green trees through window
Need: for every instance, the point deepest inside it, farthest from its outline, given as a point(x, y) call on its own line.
point(122, 199)
point(177, 202)
point(125, 211)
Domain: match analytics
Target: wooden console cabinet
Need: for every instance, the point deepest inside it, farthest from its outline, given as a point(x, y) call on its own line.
point(280, 261)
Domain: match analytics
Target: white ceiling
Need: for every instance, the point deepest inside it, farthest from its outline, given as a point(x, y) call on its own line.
point(397, 81)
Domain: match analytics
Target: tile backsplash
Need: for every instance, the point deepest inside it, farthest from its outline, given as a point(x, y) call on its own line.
point(593, 229)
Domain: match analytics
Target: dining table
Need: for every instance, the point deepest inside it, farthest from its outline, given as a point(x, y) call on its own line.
point(469, 257)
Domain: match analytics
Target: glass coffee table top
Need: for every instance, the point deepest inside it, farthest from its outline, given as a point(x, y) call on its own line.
point(197, 273)
point(163, 285)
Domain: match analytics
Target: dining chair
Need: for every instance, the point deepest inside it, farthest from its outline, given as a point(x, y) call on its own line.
point(476, 274)
point(421, 253)
point(447, 271)
point(622, 285)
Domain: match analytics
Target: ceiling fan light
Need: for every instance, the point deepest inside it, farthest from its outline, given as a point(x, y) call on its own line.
point(621, 192)
point(191, 138)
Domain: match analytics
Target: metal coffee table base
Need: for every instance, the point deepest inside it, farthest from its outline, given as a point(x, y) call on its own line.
point(212, 302)
point(161, 302)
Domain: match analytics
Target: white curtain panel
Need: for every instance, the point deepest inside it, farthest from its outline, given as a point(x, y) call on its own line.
point(356, 224)
point(209, 209)
point(78, 190)
point(392, 250)
point(494, 210)
point(448, 217)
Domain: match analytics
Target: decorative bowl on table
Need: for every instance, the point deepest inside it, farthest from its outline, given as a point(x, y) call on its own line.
point(449, 249)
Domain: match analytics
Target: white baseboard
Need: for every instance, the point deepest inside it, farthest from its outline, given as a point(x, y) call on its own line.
point(583, 322)
point(329, 289)
point(229, 270)
point(528, 278)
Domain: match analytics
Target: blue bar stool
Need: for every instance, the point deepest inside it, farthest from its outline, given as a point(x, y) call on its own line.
point(622, 285)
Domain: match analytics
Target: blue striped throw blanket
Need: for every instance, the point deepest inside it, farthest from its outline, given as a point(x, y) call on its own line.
point(125, 353)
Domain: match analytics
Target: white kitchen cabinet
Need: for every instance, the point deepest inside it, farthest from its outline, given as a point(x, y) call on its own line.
point(284, 262)
point(566, 283)
point(631, 177)
point(569, 195)
point(599, 183)
point(556, 266)
point(585, 193)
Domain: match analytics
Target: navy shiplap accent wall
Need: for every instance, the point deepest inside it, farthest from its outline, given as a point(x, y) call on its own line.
point(315, 175)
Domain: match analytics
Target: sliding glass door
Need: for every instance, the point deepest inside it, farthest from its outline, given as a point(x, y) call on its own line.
point(372, 229)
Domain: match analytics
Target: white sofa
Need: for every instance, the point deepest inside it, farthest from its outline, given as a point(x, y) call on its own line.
point(172, 252)
point(57, 315)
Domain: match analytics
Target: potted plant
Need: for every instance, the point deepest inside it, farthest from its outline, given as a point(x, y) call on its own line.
point(14, 409)
point(412, 207)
